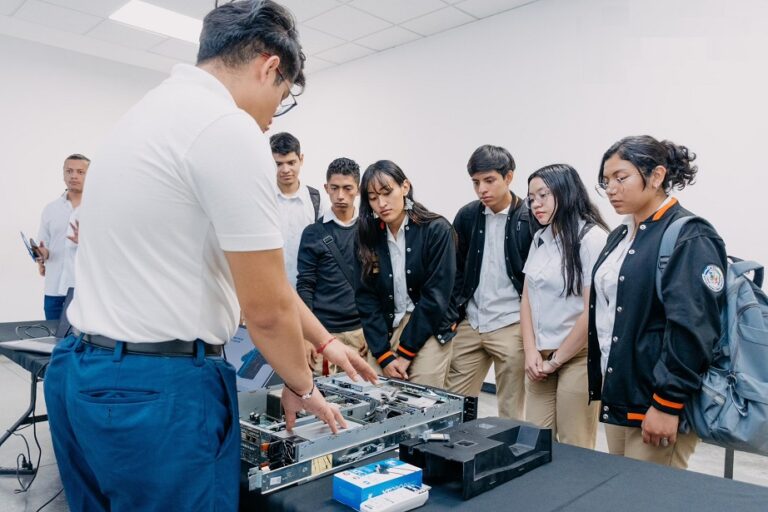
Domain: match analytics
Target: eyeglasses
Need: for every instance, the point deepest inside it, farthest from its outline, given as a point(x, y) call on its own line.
point(618, 183)
point(539, 197)
point(288, 103)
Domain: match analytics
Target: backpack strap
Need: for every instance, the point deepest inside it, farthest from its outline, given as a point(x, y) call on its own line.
point(343, 265)
point(668, 242)
point(740, 267)
point(314, 196)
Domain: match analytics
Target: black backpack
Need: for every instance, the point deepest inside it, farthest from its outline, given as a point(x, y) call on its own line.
point(314, 196)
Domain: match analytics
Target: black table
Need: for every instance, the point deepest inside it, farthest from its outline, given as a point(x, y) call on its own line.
point(576, 480)
point(35, 364)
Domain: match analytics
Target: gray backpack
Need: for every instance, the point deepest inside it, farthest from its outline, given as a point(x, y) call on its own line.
point(731, 409)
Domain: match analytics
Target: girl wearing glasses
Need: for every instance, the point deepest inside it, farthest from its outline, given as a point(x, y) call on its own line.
point(554, 304)
point(645, 356)
point(406, 270)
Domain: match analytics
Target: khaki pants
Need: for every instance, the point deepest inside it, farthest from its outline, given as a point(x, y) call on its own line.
point(561, 402)
point(354, 339)
point(628, 441)
point(429, 367)
point(473, 353)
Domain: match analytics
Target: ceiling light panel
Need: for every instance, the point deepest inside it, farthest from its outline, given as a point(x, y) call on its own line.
point(159, 20)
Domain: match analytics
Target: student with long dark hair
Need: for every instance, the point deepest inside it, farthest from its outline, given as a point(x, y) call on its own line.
point(645, 354)
point(554, 305)
point(406, 269)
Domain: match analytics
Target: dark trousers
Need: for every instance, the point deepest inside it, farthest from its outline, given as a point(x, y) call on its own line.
point(138, 432)
point(53, 304)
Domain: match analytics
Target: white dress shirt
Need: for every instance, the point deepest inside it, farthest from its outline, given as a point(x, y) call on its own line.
point(54, 224)
point(296, 213)
point(330, 216)
point(554, 314)
point(70, 251)
point(606, 288)
point(184, 176)
point(495, 303)
point(403, 302)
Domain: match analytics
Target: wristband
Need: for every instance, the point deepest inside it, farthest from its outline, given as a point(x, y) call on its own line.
point(306, 396)
point(303, 397)
point(553, 360)
point(322, 347)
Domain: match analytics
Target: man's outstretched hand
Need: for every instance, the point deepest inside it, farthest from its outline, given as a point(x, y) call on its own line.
point(349, 361)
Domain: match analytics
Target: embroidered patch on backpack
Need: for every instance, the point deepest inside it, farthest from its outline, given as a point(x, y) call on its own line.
point(713, 278)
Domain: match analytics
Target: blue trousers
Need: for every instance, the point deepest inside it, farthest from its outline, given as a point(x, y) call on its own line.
point(53, 304)
point(143, 433)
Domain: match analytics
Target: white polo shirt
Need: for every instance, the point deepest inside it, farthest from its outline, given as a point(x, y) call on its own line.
point(296, 213)
point(554, 314)
point(54, 223)
point(184, 176)
point(495, 303)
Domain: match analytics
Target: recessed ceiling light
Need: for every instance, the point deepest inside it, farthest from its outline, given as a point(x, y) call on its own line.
point(150, 17)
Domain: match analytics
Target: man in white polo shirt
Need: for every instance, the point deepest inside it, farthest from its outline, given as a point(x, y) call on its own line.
point(179, 232)
point(55, 252)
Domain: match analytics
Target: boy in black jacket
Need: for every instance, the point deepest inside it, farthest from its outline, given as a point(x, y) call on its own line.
point(494, 235)
point(325, 261)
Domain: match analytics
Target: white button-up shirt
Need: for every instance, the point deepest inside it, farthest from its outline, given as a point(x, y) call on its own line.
point(330, 216)
point(397, 249)
point(54, 224)
point(296, 213)
point(606, 288)
point(495, 303)
point(70, 251)
point(554, 314)
point(184, 176)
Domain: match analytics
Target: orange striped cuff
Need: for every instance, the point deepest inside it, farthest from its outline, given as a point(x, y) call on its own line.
point(385, 355)
point(667, 403)
point(405, 352)
point(635, 416)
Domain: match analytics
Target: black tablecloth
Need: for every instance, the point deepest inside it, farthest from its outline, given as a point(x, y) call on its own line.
point(576, 480)
point(33, 362)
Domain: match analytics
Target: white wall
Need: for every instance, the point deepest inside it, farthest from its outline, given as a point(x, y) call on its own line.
point(556, 80)
point(561, 80)
point(52, 103)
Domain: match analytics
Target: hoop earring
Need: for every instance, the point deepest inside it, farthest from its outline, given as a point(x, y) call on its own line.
point(408, 204)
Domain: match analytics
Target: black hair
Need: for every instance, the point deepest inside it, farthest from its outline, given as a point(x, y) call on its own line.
point(78, 156)
point(491, 158)
point(367, 225)
point(572, 205)
point(238, 32)
point(647, 153)
point(343, 166)
point(284, 143)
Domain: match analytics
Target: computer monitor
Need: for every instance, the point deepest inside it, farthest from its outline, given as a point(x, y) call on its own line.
point(253, 370)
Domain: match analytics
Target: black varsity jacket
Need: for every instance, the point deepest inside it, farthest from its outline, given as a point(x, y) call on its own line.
point(430, 262)
point(658, 351)
point(470, 230)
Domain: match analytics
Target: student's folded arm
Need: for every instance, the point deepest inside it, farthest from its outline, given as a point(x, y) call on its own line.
point(375, 328)
point(693, 291)
point(429, 313)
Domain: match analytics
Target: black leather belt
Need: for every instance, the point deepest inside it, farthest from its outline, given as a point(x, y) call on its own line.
point(160, 348)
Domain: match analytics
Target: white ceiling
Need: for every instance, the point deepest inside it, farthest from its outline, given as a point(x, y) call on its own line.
point(332, 31)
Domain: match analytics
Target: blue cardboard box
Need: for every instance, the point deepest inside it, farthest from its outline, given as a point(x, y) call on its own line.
point(353, 486)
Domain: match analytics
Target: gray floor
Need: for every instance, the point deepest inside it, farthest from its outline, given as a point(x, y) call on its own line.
point(14, 383)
